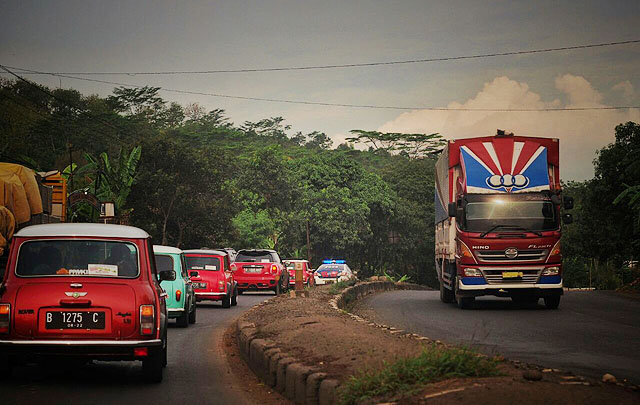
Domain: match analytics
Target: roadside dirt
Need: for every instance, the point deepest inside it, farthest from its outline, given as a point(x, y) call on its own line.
point(334, 343)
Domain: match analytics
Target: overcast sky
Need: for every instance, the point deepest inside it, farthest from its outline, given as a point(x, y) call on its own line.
point(91, 36)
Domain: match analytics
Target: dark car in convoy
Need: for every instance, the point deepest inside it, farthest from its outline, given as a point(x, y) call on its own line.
point(260, 270)
point(86, 291)
point(212, 276)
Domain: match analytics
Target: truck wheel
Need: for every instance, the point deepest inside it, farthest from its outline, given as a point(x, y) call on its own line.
point(152, 366)
point(446, 295)
point(5, 367)
point(234, 297)
point(192, 315)
point(226, 301)
point(552, 301)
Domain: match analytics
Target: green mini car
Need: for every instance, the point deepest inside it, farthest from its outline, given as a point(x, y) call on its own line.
point(181, 300)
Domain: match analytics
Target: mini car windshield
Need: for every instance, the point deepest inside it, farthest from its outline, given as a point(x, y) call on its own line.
point(210, 263)
point(85, 258)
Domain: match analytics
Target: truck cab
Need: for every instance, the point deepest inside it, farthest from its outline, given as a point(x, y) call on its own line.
point(499, 220)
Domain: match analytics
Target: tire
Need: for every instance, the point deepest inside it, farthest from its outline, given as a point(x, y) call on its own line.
point(5, 367)
point(234, 297)
point(183, 320)
point(153, 365)
point(192, 316)
point(446, 295)
point(463, 302)
point(226, 301)
point(552, 302)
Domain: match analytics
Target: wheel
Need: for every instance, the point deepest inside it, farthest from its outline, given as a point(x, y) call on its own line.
point(153, 365)
point(446, 295)
point(234, 297)
point(226, 301)
point(463, 302)
point(192, 315)
point(183, 320)
point(552, 301)
point(5, 367)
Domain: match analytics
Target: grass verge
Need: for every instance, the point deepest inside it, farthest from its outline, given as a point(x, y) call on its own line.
point(408, 375)
point(341, 285)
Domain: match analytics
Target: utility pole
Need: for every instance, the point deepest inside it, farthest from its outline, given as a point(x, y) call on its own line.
point(308, 245)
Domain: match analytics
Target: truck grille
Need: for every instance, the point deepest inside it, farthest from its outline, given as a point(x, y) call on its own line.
point(524, 255)
point(494, 276)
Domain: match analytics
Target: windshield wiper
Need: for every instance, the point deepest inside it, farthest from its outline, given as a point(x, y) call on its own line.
point(493, 228)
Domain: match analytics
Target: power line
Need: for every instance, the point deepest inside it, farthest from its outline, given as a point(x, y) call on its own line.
point(351, 65)
point(327, 104)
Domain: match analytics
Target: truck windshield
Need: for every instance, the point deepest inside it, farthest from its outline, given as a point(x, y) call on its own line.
point(536, 215)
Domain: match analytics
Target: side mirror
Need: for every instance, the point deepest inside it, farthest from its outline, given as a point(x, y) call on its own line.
point(193, 274)
point(568, 202)
point(452, 209)
point(567, 219)
point(167, 275)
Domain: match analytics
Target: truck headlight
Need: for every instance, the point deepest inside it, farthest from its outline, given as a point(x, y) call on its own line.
point(471, 272)
point(551, 271)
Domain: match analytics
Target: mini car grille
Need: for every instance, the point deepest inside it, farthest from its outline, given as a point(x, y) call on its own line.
point(524, 255)
point(494, 276)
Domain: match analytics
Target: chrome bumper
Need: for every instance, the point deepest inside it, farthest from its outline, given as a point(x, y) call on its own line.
point(85, 343)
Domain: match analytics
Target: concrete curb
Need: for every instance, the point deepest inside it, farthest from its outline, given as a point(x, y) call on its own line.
point(297, 382)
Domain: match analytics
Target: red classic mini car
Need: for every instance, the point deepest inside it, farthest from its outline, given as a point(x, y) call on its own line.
point(212, 276)
point(307, 275)
point(83, 290)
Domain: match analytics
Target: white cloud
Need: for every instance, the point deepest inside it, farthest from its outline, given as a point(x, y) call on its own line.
point(626, 88)
point(581, 133)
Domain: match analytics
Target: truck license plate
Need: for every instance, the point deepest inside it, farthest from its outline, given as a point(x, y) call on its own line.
point(75, 320)
point(512, 274)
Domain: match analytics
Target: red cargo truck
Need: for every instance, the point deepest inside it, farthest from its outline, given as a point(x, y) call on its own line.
point(498, 219)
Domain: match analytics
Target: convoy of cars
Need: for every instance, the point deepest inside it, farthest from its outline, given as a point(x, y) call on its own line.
point(105, 292)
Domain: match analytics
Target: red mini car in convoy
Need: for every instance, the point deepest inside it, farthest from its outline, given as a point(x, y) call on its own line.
point(83, 290)
point(260, 269)
point(307, 274)
point(212, 276)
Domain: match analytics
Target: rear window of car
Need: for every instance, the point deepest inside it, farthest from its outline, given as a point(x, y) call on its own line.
point(164, 262)
point(211, 263)
point(86, 258)
point(331, 267)
point(262, 257)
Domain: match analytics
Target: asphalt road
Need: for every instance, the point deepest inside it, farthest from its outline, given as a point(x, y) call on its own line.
point(197, 371)
point(590, 334)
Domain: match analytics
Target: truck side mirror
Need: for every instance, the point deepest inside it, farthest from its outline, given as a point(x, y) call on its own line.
point(568, 202)
point(452, 209)
point(567, 219)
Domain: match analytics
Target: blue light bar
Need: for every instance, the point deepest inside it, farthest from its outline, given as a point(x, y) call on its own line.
point(330, 261)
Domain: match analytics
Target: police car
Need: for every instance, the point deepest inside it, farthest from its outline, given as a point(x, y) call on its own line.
point(332, 271)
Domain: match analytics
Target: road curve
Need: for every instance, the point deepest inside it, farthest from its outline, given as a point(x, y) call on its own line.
point(197, 371)
point(591, 333)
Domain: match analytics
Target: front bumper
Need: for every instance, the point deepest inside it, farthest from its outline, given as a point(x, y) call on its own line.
point(329, 280)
